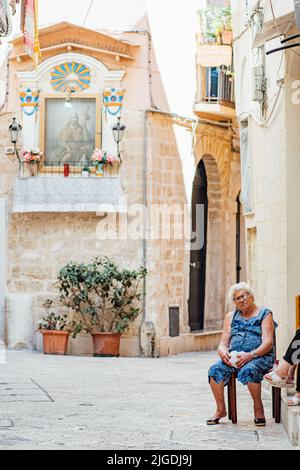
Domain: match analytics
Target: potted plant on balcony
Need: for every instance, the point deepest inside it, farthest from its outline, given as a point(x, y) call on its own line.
point(207, 19)
point(102, 158)
point(224, 30)
point(55, 330)
point(104, 301)
point(30, 158)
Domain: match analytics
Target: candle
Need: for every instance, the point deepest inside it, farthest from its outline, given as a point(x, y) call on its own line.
point(66, 169)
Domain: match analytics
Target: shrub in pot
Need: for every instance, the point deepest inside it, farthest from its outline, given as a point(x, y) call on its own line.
point(55, 331)
point(104, 301)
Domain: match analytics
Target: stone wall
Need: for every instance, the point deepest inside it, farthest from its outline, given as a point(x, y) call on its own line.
point(40, 243)
point(168, 260)
point(222, 164)
point(168, 283)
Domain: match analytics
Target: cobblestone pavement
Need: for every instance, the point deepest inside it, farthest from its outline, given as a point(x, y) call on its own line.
point(52, 402)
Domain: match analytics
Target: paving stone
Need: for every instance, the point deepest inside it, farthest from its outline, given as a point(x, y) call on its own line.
point(103, 403)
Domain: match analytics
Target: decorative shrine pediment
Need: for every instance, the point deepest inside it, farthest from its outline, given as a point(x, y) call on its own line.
point(65, 36)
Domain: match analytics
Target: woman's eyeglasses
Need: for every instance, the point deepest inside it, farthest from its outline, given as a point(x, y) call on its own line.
point(241, 297)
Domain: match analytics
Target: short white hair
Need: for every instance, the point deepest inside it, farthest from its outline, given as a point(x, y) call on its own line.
point(237, 287)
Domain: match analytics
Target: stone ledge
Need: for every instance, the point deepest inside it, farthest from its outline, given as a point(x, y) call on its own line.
point(207, 333)
point(190, 342)
point(290, 417)
point(72, 194)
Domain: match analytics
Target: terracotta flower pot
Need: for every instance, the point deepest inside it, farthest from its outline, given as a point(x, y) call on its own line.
point(227, 37)
point(55, 342)
point(106, 344)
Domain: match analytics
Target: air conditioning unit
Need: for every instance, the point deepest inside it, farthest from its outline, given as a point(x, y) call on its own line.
point(258, 83)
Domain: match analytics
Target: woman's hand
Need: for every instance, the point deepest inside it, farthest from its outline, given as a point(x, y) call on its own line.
point(225, 356)
point(244, 358)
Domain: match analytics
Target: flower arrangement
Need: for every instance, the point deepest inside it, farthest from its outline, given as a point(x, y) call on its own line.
point(102, 156)
point(100, 159)
point(31, 156)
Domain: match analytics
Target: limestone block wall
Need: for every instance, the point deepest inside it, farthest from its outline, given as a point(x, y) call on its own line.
point(168, 260)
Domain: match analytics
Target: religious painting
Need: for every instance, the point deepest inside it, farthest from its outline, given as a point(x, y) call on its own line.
point(70, 129)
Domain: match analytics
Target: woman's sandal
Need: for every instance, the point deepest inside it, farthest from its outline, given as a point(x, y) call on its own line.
point(213, 421)
point(277, 381)
point(260, 422)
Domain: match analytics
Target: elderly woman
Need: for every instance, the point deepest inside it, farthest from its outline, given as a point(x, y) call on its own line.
point(249, 331)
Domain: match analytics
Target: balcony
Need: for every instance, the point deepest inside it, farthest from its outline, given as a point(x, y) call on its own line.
point(215, 93)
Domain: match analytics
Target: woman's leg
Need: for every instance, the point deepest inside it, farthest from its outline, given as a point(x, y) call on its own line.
point(291, 374)
point(218, 392)
point(289, 359)
point(255, 391)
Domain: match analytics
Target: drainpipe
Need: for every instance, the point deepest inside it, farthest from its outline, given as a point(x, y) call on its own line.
point(3, 246)
point(297, 13)
point(145, 203)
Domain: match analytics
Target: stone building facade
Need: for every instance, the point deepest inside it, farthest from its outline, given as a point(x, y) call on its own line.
point(49, 220)
point(270, 154)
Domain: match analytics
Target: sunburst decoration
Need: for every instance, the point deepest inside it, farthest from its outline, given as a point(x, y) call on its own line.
point(71, 76)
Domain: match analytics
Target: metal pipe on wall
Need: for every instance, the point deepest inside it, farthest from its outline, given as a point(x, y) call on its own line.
point(3, 246)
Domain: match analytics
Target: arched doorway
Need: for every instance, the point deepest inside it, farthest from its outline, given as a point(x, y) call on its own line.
point(198, 256)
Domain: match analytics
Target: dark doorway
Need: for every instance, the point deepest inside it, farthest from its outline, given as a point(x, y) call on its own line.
point(198, 257)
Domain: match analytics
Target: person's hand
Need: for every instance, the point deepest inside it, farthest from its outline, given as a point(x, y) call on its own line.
point(225, 356)
point(244, 358)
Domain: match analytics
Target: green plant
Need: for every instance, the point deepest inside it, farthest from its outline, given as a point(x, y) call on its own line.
point(86, 168)
point(52, 321)
point(225, 17)
point(207, 23)
point(213, 21)
point(102, 297)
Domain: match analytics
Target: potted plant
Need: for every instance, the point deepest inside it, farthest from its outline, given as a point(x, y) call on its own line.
point(224, 16)
point(104, 301)
point(31, 158)
point(85, 172)
point(55, 331)
point(100, 159)
point(207, 27)
point(216, 25)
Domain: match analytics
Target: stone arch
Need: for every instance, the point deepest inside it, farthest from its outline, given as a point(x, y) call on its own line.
point(214, 147)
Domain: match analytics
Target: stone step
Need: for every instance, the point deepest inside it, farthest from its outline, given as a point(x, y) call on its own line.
point(290, 417)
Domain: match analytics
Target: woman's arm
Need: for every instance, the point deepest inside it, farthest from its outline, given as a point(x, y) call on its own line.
point(268, 330)
point(225, 340)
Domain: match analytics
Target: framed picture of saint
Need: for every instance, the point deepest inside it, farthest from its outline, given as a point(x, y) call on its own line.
point(69, 130)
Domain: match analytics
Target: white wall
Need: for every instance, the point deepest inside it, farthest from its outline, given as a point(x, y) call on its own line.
point(275, 171)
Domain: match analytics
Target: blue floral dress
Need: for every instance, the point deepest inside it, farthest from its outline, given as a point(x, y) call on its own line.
point(246, 335)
